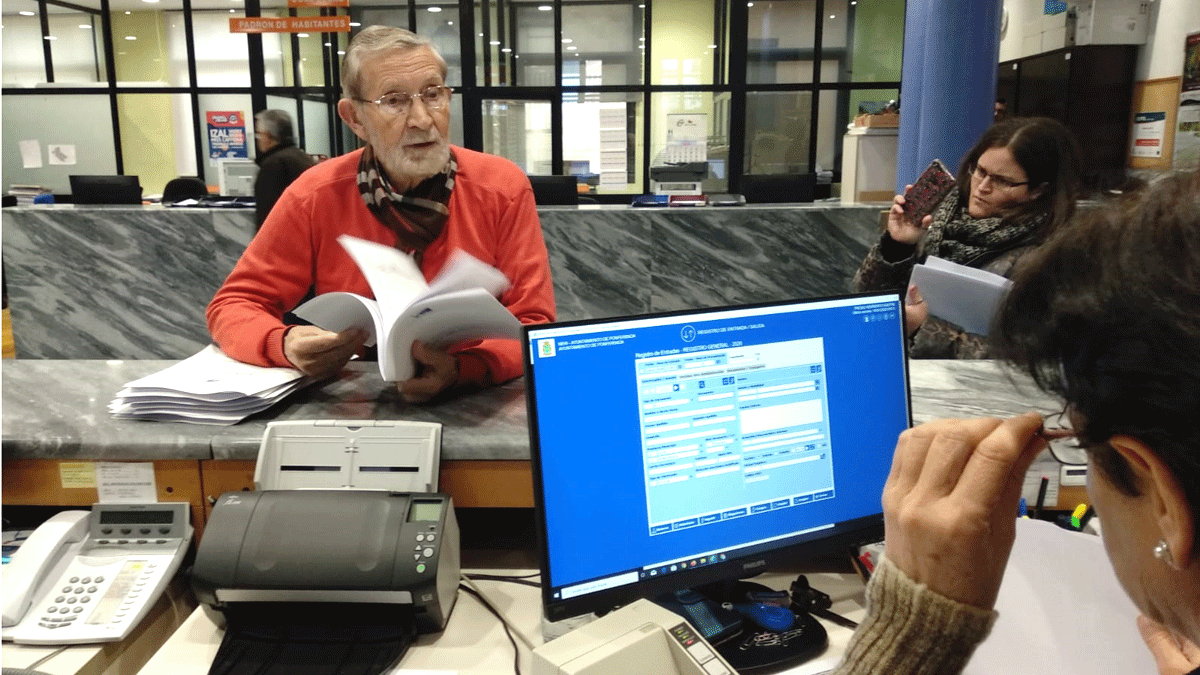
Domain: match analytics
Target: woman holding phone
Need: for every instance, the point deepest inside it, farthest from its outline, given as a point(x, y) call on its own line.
point(1018, 184)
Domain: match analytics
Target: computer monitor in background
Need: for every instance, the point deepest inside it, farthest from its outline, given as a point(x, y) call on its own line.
point(555, 190)
point(681, 449)
point(778, 188)
point(235, 177)
point(105, 189)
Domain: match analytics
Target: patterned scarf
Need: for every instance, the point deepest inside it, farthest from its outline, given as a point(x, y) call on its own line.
point(417, 216)
point(959, 238)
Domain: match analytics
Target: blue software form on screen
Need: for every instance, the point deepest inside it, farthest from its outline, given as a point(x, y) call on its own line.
point(684, 448)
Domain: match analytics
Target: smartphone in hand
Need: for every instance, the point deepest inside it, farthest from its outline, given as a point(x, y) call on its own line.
point(923, 197)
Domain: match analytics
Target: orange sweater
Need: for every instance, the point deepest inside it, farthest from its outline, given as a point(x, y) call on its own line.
point(492, 217)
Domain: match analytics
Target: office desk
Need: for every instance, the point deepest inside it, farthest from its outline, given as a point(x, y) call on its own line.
point(56, 411)
point(474, 642)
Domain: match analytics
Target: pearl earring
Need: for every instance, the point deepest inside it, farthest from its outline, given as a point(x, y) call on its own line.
point(1163, 552)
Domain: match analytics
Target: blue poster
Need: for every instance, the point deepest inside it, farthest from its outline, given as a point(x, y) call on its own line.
point(226, 134)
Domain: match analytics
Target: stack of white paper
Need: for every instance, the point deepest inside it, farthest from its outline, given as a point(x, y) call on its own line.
point(964, 296)
point(206, 388)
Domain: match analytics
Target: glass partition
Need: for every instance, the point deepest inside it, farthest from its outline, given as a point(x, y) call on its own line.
point(519, 131)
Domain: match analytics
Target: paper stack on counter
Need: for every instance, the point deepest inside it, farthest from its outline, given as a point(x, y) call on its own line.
point(206, 388)
point(966, 297)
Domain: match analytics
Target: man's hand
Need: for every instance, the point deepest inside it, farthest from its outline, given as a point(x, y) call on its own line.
point(1174, 654)
point(900, 227)
point(950, 503)
point(320, 353)
point(438, 371)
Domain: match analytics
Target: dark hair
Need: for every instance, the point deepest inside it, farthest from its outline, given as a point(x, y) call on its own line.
point(277, 124)
point(1106, 314)
point(1049, 155)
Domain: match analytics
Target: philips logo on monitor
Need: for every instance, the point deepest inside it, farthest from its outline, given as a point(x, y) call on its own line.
point(546, 348)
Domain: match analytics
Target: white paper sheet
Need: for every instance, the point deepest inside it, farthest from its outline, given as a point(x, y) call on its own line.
point(31, 154)
point(1062, 610)
point(964, 296)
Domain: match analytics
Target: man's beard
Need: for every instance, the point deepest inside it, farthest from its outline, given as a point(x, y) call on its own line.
point(406, 169)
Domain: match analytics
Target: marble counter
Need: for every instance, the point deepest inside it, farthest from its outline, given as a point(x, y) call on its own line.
point(58, 410)
point(131, 282)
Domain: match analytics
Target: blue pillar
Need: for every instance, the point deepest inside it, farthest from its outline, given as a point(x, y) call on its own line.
point(948, 81)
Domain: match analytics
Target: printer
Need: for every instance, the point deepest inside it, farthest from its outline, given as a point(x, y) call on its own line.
point(332, 546)
point(342, 569)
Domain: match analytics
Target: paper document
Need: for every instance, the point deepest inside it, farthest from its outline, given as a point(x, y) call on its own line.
point(964, 296)
point(459, 304)
point(1062, 610)
point(205, 388)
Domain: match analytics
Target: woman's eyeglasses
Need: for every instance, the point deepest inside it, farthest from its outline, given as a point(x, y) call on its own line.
point(1064, 446)
point(1001, 182)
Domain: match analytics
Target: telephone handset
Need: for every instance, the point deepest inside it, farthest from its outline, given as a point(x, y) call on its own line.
point(91, 576)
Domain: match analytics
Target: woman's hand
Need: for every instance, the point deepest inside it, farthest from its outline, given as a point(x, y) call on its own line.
point(900, 227)
point(916, 312)
point(950, 503)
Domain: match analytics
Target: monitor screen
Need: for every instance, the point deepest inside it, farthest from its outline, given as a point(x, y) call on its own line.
point(679, 449)
point(555, 190)
point(105, 189)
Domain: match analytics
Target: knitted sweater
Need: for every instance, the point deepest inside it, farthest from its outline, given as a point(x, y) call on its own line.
point(492, 217)
point(993, 247)
point(911, 630)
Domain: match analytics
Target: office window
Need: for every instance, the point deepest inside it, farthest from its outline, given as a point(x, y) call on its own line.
point(157, 143)
point(862, 37)
point(777, 132)
point(438, 21)
point(24, 64)
point(141, 42)
point(682, 50)
point(519, 131)
point(603, 147)
point(780, 41)
point(75, 47)
point(605, 40)
point(57, 120)
point(837, 110)
point(222, 58)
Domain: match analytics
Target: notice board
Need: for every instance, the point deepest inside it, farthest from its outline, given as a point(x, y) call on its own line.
point(1155, 96)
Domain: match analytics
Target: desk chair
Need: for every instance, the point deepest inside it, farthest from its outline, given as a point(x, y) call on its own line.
point(184, 187)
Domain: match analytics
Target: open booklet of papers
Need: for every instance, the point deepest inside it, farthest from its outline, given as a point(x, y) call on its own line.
point(965, 296)
point(206, 388)
point(459, 304)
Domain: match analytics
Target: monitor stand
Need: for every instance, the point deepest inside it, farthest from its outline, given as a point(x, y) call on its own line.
point(754, 649)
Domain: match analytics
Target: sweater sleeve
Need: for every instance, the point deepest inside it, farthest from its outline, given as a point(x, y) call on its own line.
point(521, 255)
point(272, 276)
point(911, 630)
point(888, 265)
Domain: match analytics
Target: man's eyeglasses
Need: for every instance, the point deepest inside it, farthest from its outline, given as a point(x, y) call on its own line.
point(997, 181)
point(1064, 446)
point(398, 103)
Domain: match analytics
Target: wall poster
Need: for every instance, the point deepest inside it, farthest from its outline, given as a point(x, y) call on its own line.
point(226, 134)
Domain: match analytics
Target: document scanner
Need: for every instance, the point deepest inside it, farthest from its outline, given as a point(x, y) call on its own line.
point(336, 579)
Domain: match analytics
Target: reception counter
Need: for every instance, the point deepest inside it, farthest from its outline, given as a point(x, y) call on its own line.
point(56, 411)
point(132, 282)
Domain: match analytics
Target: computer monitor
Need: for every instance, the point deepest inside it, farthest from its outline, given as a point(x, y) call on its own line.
point(778, 188)
point(555, 190)
point(681, 449)
point(235, 177)
point(105, 189)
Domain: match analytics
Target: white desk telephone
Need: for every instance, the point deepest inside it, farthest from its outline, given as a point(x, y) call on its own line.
point(91, 576)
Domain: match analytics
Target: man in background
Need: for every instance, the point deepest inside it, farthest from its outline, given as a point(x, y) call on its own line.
point(279, 160)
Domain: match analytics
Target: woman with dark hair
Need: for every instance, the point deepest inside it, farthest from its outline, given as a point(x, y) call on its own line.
point(1106, 315)
point(1016, 186)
